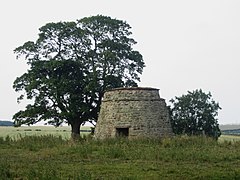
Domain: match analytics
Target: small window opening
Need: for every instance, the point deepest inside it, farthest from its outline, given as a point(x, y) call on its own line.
point(122, 132)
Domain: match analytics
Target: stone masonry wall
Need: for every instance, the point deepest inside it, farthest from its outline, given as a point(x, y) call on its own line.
point(140, 110)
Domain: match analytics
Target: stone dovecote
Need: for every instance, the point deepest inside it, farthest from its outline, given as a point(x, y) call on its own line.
point(133, 113)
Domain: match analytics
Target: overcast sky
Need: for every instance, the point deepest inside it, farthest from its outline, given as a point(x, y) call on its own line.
point(186, 44)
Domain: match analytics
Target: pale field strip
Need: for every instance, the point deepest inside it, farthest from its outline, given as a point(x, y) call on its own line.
point(228, 138)
point(15, 133)
point(64, 131)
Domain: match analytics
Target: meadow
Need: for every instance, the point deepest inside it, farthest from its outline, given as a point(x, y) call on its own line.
point(17, 132)
point(51, 156)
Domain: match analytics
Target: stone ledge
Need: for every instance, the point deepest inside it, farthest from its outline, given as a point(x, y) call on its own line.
point(134, 88)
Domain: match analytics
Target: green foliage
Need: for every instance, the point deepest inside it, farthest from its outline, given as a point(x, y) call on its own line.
point(174, 158)
point(195, 114)
point(71, 64)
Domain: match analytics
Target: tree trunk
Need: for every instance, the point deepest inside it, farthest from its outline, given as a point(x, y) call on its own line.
point(75, 130)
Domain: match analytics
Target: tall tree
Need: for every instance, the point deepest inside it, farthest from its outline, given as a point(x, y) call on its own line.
point(194, 114)
point(71, 64)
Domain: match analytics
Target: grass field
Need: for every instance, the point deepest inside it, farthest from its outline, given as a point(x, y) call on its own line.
point(229, 138)
point(15, 133)
point(52, 156)
point(63, 131)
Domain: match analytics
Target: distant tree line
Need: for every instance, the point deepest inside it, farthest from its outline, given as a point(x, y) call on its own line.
point(6, 123)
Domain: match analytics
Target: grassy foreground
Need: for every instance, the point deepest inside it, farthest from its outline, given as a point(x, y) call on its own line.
point(50, 157)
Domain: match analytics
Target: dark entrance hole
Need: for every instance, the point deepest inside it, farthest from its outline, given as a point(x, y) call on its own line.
point(122, 132)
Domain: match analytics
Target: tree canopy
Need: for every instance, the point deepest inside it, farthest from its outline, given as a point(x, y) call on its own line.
point(71, 64)
point(195, 114)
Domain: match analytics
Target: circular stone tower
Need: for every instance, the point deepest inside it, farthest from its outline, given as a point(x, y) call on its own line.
point(133, 113)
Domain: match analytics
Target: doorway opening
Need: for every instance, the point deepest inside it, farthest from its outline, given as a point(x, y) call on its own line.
point(122, 132)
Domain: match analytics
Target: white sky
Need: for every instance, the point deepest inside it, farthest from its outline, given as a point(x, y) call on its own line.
point(186, 44)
